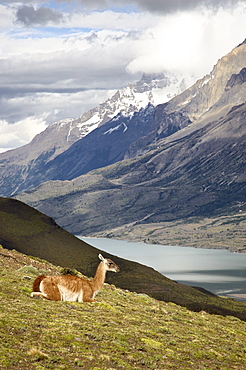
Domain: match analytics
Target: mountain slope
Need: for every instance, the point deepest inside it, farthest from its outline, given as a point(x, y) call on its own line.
point(19, 167)
point(209, 99)
point(199, 173)
point(33, 233)
point(105, 145)
point(206, 92)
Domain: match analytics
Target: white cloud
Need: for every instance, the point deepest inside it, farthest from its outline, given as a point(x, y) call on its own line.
point(189, 42)
point(160, 6)
point(6, 17)
point(44, 109)
point(50, 106)
point(21, 132)
point(112, 20)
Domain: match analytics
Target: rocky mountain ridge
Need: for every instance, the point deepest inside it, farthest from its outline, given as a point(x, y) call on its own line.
point(127, 136)
point(200, 174)
point(17, 164)
point(206, 92)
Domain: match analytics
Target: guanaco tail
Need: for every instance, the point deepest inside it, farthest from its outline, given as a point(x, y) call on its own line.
point(73, 288)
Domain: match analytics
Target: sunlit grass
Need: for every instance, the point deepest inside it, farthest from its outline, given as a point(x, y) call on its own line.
point(122, 330)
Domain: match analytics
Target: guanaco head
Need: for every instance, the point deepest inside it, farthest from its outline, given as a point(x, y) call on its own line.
point(109, 264)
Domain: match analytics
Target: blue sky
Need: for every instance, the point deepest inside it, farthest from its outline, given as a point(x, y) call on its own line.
point(61, 58)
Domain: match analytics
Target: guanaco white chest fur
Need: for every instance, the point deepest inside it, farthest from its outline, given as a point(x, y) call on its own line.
point(73, 288)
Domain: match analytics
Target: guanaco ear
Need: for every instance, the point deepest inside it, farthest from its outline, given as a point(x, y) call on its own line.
point(101, 257)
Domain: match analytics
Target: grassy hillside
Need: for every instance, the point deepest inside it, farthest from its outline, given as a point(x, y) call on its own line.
point(28, 231)
point(122, 330)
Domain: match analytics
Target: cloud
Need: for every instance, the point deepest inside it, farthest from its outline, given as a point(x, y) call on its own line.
point(111, 20)
point(163, 6)
point(160, 6)
point(94, 60)
point(54, 105)
point(169, 6)
point(29, 114)
point(20, 133)
point(6, 17)
point(189, 42)
point(27, 15)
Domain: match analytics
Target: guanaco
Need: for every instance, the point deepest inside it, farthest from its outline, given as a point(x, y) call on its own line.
point(73, 288)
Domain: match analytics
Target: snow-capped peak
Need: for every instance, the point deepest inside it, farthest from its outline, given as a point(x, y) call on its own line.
point(151, 88)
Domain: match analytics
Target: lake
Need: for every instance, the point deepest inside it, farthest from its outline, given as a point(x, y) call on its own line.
point(219, 271)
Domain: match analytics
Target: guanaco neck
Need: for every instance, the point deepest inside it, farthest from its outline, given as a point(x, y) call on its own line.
point(99, 277)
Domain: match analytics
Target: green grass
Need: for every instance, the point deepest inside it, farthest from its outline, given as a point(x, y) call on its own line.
point(122, 330)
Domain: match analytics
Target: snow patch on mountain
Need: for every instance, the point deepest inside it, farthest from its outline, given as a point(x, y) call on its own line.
point(151, 88)
point(116, 128)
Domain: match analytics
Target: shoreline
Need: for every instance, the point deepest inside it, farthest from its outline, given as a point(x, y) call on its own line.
point(112, 236)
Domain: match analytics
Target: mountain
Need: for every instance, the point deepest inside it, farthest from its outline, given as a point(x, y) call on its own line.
point(20, 167)
point(199, 174)
point(209, 99)
point(28, 231)
point(129, 135)
point(183, 167)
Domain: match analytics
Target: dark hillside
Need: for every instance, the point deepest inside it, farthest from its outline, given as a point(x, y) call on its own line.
point(33, 233)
